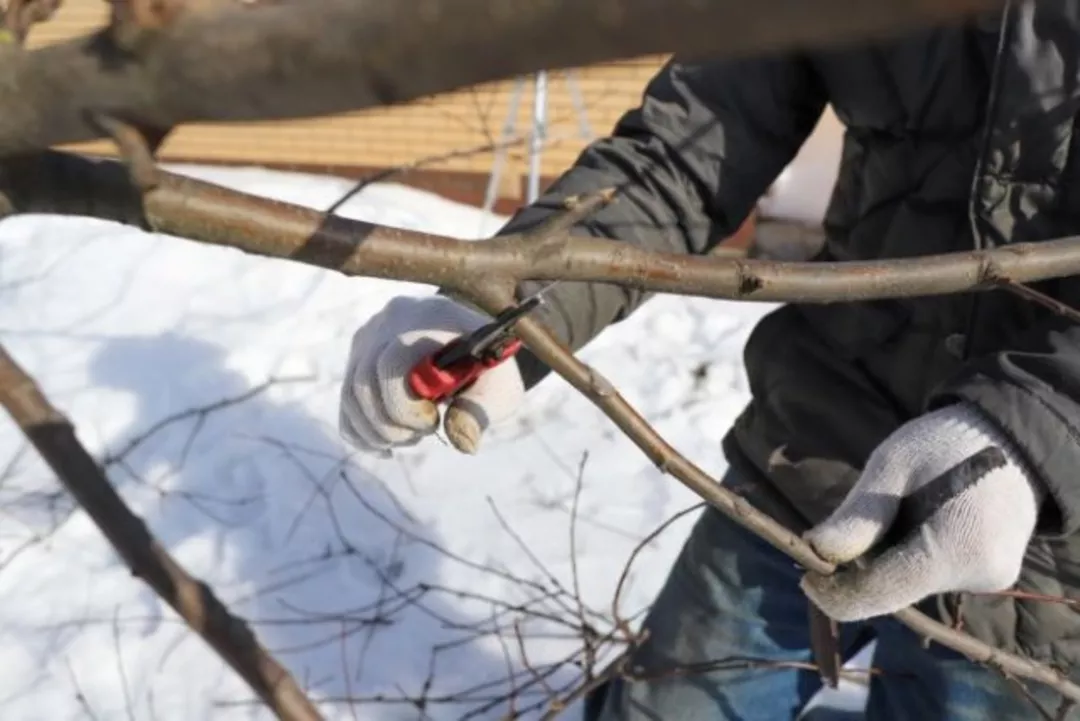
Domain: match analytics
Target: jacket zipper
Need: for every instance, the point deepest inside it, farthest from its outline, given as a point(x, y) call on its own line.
point(988, 124)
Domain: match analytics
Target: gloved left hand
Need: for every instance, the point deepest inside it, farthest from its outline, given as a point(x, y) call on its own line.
point(944, 504)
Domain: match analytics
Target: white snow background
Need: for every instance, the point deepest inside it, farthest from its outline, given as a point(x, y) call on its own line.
point(260, 498)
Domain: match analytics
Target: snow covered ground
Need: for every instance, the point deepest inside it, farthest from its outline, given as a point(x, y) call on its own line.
point(324, 550)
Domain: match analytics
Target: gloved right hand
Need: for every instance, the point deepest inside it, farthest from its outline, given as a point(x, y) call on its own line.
point(378, 410)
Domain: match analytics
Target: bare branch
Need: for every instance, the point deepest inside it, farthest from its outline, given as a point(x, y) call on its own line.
point(389, 174)
point(587, 632)
point(128, 708)
point(58, 183)
point(345, 673)
point(613, 670)
point(537, 677)
point(561, 593)
point(577, 209)
point(616, 598)
point(1039, 298)
point(1022, 690)
point(198, 413)
point(603, 395)
point(985, 654)
point(512, 711)
point(218, 60)
point(84, 704)
point(54, 438)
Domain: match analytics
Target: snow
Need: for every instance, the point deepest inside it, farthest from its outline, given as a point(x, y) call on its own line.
point(804, 188)
point(128, 331)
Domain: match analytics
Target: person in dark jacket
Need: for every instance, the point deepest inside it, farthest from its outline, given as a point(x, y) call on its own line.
point(937, 438)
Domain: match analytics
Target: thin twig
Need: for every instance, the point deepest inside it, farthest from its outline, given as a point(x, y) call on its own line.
point(151, 705)
point(981, 652)
point(387, 174)
point(1040, 298)
point(616, 598)
point(1022, 690)
point(512, 712)
point(587, 632)
point(345, 668)
point(84, 703)
point(559, 705)
point(528, 666)
point(199, 413)
point(120, 665)
point(1030, 596)
point(415, 537)
point(531, 555)
point(576, 209)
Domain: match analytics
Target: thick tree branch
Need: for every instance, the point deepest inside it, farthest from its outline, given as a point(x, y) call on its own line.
point(54, 438)
point(66, 184)
point(226, 60)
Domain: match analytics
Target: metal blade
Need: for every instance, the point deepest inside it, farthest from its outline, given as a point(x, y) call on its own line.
point(543, 289)
point(494, 331)
point(484, 337)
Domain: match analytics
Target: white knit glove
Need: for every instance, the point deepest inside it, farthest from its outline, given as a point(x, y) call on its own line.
point(378, 410)
point(956, 509)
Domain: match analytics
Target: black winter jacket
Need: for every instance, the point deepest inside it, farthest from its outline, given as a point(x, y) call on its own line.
point(956, 138)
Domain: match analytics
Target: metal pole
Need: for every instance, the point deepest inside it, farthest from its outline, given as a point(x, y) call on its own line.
point(539, 133)
point(578, 100)
point(503, 148)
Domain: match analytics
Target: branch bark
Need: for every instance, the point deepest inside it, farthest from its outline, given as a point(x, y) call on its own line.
point(225, 60)
point(54, 438)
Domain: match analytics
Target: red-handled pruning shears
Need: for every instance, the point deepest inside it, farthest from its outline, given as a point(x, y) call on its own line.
point(461, 361)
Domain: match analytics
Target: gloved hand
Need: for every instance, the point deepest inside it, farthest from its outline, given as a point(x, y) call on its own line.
point(378, 410)
point(951, 503)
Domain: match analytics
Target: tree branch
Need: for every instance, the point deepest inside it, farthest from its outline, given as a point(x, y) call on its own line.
point(602, 394)
point(53, 182)
point(226, 60)
point(54, 438)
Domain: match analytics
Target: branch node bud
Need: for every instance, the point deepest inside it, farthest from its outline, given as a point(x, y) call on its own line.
point(600, 385)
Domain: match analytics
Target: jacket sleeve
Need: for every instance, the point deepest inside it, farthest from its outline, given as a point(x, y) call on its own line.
point(689, 165)
point(1032, 391)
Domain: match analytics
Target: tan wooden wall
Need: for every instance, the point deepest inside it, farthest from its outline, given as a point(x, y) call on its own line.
point(358, 143)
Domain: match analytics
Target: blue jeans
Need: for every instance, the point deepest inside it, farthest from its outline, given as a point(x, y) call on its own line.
point(732, 598)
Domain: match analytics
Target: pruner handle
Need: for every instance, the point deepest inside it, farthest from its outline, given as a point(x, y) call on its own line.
point(434, 382)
